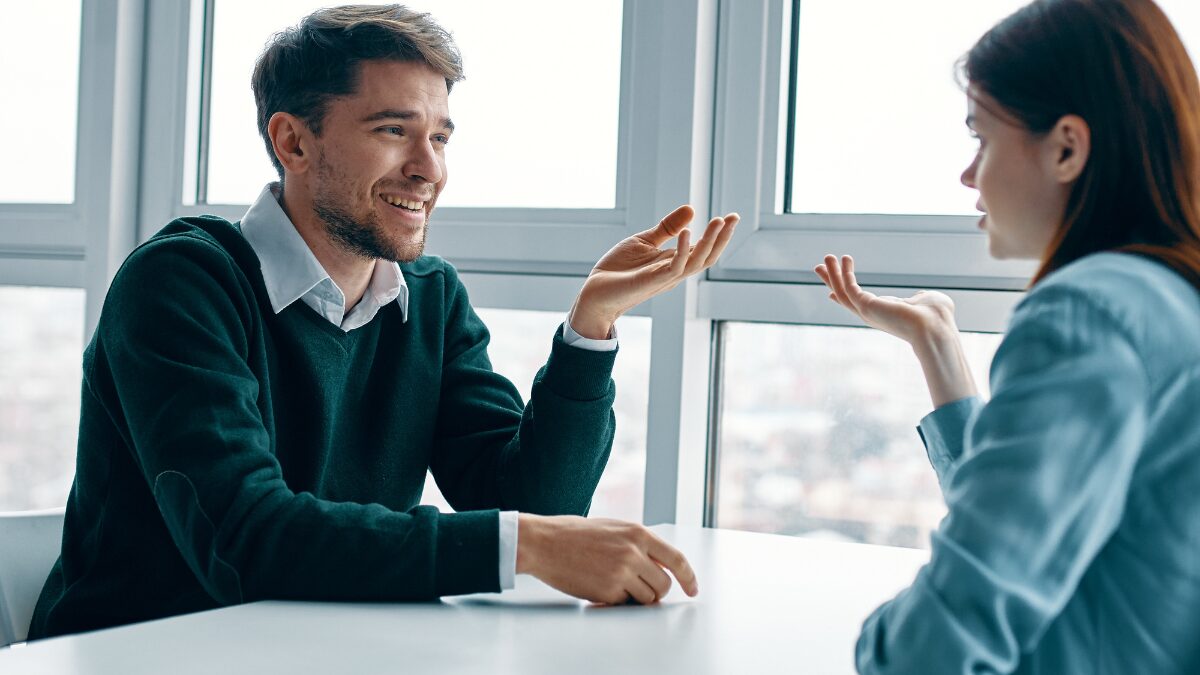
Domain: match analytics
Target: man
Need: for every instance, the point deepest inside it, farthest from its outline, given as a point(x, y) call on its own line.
point(262, 401)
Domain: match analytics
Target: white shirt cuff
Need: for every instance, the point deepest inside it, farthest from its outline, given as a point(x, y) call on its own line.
point(508, 550)
point(574, 339)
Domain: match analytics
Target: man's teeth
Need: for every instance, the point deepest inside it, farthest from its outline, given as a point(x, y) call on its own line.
point(404, 203)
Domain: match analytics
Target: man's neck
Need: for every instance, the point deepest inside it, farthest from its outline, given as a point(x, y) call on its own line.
point(350, 272)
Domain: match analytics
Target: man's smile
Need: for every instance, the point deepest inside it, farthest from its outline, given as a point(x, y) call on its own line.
point(408, 204)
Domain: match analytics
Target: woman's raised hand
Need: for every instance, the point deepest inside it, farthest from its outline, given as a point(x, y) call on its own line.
point(924, 320)
point(918, 318)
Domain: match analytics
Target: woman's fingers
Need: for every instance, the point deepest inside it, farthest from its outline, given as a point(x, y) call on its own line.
point(836, 282)
point(850, 288)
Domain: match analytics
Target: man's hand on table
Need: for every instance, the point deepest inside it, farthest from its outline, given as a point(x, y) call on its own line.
point(605, 561)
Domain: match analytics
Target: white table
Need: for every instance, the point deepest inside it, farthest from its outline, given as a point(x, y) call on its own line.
point(767, 604)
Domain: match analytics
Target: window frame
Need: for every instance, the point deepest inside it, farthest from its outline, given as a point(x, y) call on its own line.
point(551, 240)
point(899, 250)
point(695, 112)
point(80, 245)
point(527, 258)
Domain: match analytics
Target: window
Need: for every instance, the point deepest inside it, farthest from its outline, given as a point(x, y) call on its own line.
point(40, 111)
point(536, 117)
point(520, 345)
point(878, 125)
point(817, 433)
point(41, 337)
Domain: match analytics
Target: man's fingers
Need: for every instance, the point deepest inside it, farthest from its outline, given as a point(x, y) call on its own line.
point(672, 559)
point(641, 591)
point(683, 251)
point(705, 246)
point(671, 225)
point(656, 578)
point(722, 241)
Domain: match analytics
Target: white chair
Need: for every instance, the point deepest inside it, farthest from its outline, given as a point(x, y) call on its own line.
point(29, 544)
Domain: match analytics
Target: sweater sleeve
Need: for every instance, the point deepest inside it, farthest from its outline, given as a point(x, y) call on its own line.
point(177, 336)
point(1035, 494)
point(544, 457)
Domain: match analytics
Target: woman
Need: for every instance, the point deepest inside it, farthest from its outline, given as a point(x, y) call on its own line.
point(1072, 542)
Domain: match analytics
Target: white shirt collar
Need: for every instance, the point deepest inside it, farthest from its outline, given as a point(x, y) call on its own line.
point(291, 272)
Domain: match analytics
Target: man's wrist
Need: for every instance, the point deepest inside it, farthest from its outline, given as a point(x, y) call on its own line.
point(528, 526)
point(589, 324)
point(592, 328)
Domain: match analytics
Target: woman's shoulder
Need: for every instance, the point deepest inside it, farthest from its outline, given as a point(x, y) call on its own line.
point(1115, 279)
point(1133, 294)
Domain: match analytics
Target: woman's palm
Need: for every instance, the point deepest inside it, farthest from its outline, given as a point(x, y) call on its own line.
point(923, 313)
point(906, 318)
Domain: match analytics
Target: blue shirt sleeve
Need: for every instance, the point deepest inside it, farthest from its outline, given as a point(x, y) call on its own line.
point(944, 433)
point(1035, 483)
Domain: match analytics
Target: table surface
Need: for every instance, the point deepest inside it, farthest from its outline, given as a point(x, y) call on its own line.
point(767, 604)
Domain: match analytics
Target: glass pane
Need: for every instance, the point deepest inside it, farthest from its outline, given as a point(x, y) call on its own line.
point(536, 118)
point(39, 75)
point(818, 433)
point(519, 347)
point(879, 116)
point(41, 337)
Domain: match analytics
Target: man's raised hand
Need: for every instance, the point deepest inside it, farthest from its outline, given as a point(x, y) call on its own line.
point(637, 269)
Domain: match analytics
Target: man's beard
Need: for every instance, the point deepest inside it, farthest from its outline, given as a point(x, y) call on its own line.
point(366, 238)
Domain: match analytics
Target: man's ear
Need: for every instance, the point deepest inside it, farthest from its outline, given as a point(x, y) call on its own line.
point(290, 137)
point(1071, 143)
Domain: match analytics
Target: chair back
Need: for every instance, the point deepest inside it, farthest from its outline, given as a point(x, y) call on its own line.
point(30, 542)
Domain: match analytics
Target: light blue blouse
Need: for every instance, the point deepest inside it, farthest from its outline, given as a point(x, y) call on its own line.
point(1072, 542)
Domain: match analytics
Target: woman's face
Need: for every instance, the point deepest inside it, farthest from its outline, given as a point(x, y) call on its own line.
point(1018, 175)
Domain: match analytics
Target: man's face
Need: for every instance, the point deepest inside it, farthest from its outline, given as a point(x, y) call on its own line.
point(381, 161)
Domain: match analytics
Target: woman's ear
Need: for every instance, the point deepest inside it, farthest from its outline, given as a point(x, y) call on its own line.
point(1071, 143)
point(289, 138)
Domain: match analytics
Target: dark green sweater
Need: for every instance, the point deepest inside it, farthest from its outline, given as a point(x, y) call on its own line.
point(228, 454)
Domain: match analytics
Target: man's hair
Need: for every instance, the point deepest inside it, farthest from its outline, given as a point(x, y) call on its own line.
point(306, 66)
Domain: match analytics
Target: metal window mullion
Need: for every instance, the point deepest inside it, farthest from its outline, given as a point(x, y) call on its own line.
point(790, 150)
point(205, 119)
point(716, 391)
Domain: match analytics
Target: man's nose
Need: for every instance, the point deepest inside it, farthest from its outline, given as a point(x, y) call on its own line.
point(423, 165)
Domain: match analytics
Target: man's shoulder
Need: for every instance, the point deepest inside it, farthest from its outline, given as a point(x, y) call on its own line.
point(199, 240)
point(185, 256)
point(428, 266)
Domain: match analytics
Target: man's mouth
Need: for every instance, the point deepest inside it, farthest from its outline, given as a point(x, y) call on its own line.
point(414, 205)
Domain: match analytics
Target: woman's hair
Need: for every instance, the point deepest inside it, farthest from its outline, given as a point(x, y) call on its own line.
point(1120, 65)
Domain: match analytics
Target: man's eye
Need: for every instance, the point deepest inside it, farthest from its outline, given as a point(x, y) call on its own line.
point(395, 131)
point(442, 138)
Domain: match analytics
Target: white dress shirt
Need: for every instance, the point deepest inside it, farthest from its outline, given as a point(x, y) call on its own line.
point(291, 272)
